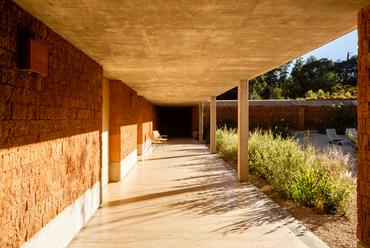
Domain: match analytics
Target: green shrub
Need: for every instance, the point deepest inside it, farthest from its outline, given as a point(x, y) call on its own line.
point(281, 128)
point(206, 134)
point(229, 124)
point(315, 179)
point(339, 91)
point(353, 139)
point(227, 143)
point(340, 118)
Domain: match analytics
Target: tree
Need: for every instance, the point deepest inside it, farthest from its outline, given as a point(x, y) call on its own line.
point(312, 74)
point(340, 69)
point(229, 95)
point(315, 75)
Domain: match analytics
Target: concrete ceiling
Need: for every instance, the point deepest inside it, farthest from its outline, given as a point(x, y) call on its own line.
point(177, 52)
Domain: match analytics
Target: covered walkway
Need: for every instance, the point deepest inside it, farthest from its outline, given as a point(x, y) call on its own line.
point(183, 196)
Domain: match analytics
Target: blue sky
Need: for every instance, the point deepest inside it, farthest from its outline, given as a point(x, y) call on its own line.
point(337, 49)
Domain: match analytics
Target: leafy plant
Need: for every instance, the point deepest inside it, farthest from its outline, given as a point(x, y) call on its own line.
point(352, 138)
point(339, 118)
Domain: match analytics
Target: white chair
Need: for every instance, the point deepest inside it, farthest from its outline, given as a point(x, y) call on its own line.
point(333, 137)
point(159, 137)
point(344, 142)
point(155, 143)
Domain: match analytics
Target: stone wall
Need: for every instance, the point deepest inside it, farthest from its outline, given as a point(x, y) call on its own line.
point(123, 121)
point(303, 116)
point(50, 128)
point(146, 119)
point(131, 120)
point(363, 133)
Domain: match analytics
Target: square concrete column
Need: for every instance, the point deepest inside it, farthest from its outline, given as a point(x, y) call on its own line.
point(243, 130)
point(201, 123)
point(213, 125)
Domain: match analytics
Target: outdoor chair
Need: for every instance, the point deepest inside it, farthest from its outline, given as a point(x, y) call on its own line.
point(159, 137)
point(155, 143)
point(344, 142)
point(333, 137)
point(353, 137)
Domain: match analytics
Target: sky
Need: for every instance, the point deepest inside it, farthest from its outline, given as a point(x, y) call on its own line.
point(337, 49)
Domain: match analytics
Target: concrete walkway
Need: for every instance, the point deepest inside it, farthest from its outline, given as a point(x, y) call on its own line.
point(185, 197)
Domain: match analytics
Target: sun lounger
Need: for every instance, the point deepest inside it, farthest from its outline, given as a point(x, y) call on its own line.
point(344, 142)
point(333, 137)
point(352, 132)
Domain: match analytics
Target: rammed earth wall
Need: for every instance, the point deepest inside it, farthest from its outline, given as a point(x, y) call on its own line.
point(303, 115)
point(363, 133)
point(50, 128)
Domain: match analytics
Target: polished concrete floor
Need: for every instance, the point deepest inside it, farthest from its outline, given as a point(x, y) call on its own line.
point(183, 197)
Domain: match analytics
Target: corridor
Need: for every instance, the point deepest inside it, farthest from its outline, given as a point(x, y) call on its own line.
point(182, 196)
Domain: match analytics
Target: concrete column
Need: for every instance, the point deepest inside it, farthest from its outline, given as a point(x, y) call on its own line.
point(201, 123)
point(213, 125)
point(243, 119)
point(105, 133)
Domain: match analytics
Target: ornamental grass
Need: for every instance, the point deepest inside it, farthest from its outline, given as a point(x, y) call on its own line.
point(317, 179)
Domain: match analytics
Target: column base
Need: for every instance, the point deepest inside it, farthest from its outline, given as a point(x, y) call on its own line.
point(361, 244)
point(142, 148)
point(118, 170)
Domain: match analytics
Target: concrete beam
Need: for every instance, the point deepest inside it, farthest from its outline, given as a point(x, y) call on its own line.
point(201, 123)
point(213, 125)
point(243, 119)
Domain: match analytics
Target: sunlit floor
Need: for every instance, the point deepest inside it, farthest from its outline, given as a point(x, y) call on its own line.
point(183, 197)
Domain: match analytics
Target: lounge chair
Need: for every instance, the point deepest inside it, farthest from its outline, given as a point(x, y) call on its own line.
point(344, 142)
point(333, 137)
point(159, 137)
point(155, 143)
point(353, 137)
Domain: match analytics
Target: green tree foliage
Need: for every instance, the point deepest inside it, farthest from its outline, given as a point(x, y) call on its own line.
point(310, 74)
point(317, 74)
point(347, 77)
point(229, 95)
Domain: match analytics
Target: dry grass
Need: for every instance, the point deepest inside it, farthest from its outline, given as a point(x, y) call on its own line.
point(320, 180)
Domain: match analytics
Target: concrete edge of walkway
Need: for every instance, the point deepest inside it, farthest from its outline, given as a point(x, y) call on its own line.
point(305, 235)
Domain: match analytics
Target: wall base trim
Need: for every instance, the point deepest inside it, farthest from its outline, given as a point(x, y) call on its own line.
point(361, 244)
point(63, 228)
point(142, 148)
point(118, 170)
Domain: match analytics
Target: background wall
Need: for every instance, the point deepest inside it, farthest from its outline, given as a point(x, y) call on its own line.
point(146, 121)
point(123, 121)
point(303, 116)
point(50, 128)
